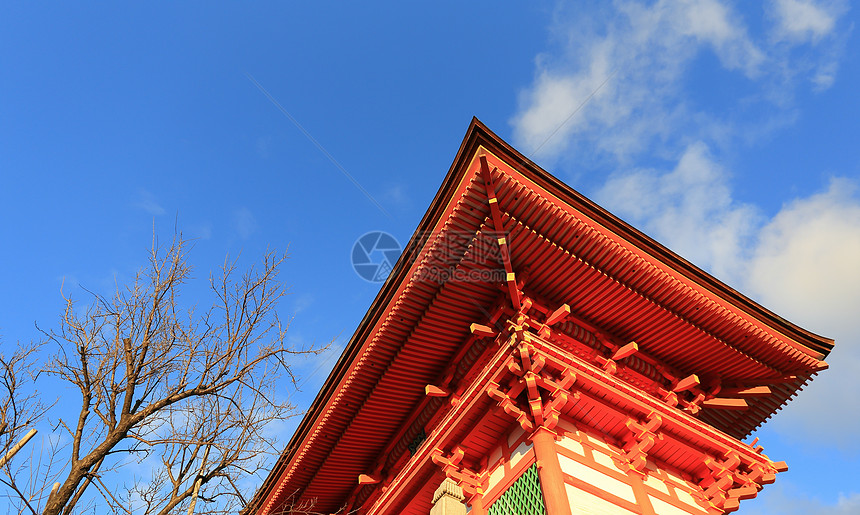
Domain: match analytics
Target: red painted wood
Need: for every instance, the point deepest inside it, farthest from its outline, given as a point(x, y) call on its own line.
point(549, 471)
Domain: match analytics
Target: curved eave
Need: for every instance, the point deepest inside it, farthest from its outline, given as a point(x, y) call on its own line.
point(325, 408)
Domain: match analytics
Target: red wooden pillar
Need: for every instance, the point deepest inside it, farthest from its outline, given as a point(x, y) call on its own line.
point(642, 498)
point(549, 471)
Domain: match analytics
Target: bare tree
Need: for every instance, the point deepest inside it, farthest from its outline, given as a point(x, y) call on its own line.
point(20, 408)
point(183, 397)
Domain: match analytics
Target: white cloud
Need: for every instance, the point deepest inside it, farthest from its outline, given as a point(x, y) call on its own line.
point(807, 262)
point(147, 202)
point(646, 51)
point(397, 194)
point(802, 20)
point(807, 24)
point(690, 209)
point(806, 267)
point(709, 21)
point(244, 223)
point(633, 67)
point(804, 264)
point(199, 231)
point(824, 75)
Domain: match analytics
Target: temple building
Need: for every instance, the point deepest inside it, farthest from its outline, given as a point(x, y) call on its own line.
point(532, 353)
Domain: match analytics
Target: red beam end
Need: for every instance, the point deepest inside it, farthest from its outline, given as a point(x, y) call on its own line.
point(558, 315)
point(744, 492)
point(724, 403)
point(628, 350)
point(434, 391)
point(482, 330)
point(367, 479)
point(688, 382)
point(755, 391)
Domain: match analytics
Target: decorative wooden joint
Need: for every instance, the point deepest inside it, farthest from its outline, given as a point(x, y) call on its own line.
point(534, 397)
point(545, 395)
point(735, 495)
point(510, 407)
point(467, 479)
point(568, 378)
point(516, 331)
point(544, 331)
point(652, 424)
point(762, 474)
point(516, 369)
point(607, 364)
point(719, 485)
point(447, 462)
point(530, 360)
point(669, 397)
point(693, 406)
point(526, 305)
point(717, 493)
point(642, 438)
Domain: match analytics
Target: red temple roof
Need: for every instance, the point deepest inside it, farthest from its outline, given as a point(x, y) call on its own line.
point(620, 286)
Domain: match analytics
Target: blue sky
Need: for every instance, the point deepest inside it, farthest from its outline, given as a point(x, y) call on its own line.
point(726, 130)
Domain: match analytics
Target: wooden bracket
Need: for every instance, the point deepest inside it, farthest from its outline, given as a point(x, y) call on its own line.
point(546, 394)
point(642, 439)
point(468, 480)
point(608, 364)
point(510, 407)
point(670, 398)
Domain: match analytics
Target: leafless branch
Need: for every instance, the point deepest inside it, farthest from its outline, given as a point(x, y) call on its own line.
point(187, 394)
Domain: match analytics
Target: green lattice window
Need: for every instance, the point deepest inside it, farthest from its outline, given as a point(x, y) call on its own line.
point(524, 497)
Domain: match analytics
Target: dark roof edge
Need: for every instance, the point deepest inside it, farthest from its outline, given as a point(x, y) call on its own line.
point(386, 293)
